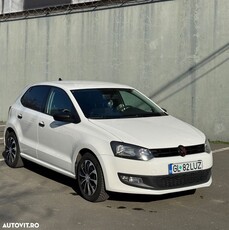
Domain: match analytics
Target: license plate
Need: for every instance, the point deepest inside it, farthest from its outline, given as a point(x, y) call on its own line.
point(185, 167)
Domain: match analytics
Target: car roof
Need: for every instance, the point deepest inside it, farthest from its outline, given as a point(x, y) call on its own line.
point(72, 85)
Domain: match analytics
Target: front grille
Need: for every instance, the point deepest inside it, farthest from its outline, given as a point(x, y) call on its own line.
point(177, 180)
point(171, 152)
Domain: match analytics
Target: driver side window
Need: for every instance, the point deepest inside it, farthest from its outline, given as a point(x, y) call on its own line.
point(59, 102)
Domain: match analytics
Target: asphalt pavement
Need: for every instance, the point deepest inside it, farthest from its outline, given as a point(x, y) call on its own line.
point(33, 197)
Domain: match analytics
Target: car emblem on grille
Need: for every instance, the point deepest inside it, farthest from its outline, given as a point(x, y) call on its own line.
point(182, 151)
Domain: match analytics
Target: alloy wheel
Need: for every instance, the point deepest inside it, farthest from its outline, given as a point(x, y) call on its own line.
point(11, 150)
point(88, 178)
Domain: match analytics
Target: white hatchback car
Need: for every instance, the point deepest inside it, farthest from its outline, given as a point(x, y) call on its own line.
point(109, 137)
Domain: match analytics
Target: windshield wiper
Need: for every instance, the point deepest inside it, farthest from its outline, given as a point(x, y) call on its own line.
point(155, 114)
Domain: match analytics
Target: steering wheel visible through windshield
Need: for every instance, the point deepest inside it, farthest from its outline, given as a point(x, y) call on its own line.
point(115, 103)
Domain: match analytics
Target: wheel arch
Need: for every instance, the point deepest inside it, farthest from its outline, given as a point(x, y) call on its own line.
point(12, 149)
point(80, 155)
point(8, 131)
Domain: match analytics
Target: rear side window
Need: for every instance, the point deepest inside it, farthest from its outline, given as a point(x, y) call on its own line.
point(35, 97)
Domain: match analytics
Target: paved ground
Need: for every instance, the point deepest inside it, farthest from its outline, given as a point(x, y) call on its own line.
point(39, 196)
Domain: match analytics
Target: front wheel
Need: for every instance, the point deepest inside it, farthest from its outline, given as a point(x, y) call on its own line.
point(90, 179)
point(12, 151)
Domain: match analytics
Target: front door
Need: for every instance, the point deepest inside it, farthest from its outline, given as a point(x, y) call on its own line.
point(56, 139)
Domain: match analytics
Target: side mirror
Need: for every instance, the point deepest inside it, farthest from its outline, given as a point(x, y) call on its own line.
point(66, 117)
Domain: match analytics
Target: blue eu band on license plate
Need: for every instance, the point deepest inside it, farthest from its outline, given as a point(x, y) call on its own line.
point(185, 167)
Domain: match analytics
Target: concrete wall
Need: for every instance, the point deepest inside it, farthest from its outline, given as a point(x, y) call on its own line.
point(176, 52)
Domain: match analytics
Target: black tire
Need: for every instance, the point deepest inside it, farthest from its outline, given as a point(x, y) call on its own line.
point(12, 151)
point(90, 179)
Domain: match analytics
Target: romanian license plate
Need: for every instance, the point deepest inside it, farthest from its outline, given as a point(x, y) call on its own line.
point(185, 167)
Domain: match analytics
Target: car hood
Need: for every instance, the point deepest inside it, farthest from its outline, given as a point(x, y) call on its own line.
point(152, 132)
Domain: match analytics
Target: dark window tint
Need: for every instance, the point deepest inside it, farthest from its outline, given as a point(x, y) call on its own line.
point(115, 103)
point(35, 97)
point(59, 102)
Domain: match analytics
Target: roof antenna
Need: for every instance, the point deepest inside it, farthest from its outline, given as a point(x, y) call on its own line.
point(60, 79)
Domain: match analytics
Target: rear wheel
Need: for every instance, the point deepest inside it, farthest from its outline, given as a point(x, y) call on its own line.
point(90, 179)
point(12, 151)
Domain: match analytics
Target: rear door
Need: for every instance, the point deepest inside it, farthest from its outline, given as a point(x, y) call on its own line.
point(33, 102)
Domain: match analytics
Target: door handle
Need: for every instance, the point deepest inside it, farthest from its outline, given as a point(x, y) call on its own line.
point(19, 116)
point(42, 124)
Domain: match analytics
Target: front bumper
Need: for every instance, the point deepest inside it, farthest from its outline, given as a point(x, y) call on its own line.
point(152, 177)
point(167, 181)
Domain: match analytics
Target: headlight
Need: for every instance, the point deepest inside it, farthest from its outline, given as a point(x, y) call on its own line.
point(207, 146)
point(129, 151)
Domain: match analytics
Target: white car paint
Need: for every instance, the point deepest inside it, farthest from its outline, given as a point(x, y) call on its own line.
point(159, 132)
point(57, 145)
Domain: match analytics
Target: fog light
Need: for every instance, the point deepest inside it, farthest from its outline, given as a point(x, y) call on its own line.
point(131, 179)
point(125, 178)
point(135, 180)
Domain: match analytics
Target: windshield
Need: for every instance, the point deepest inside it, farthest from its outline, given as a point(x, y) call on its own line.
point(115, 103)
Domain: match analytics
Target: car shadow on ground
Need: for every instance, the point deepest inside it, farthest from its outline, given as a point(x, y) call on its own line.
point(147, 198)
point(70, 182)
point(50, 174)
